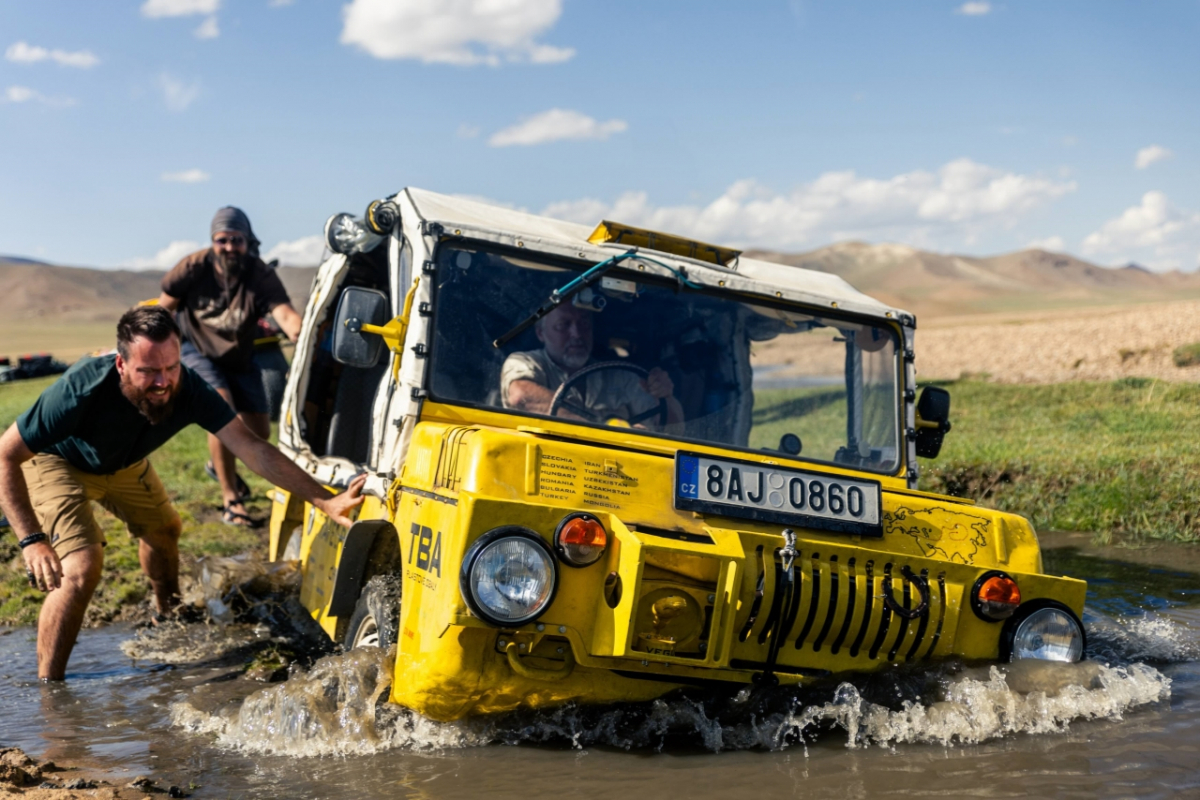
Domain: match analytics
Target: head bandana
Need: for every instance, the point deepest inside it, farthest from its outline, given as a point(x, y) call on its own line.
point(234, 219)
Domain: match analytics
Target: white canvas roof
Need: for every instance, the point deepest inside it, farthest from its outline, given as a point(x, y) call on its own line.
point(479, 220)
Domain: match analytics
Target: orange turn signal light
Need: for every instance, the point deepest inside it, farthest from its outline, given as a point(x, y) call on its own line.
point(996, 596)
point(580, 540)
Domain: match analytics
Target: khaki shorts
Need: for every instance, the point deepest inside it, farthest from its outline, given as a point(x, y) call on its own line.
point(62, 499)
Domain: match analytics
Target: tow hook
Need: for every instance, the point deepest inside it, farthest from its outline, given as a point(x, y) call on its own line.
point(511, 649)
point(787, 557)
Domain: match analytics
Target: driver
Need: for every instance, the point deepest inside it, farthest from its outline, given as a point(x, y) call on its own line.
point(529, 380)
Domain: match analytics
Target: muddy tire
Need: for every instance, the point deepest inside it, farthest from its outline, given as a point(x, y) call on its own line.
point(376, 618)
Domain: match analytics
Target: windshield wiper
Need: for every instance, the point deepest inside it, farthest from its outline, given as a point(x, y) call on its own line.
point(561, 295)
point(572, 288)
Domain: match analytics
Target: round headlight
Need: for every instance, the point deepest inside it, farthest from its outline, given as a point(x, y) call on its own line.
point(580, 540)
point(346, 235)
point(508, 576)
point(1049, 633)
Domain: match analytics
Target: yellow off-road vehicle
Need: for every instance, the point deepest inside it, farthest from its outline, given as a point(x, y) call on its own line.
point(606, 463)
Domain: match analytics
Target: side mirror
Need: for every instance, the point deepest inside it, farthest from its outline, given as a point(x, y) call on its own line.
point(357, 307)
point(933, 420)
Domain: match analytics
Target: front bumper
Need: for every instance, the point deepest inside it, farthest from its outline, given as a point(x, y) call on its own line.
point(851, 607)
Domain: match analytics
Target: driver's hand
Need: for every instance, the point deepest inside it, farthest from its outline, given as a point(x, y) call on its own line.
point(658, 384)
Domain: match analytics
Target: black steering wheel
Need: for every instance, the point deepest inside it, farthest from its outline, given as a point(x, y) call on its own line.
point(559, 400)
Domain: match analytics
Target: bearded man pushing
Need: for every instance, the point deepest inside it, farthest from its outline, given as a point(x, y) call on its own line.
point(87, 438)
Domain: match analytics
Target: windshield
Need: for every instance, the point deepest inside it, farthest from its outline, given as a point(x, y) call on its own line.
point(658, 356)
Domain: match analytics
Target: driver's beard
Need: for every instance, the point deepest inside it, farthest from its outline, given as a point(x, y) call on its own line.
point(230, 263)
point(154, 412)
point(576, 361)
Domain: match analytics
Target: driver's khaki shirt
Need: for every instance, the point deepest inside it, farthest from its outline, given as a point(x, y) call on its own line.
point(606, 393)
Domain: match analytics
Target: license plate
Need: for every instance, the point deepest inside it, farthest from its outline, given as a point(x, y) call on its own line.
point(767, 493)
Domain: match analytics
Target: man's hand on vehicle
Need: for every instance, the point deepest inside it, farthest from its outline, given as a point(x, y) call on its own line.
point(338, 506)
point(43, 567)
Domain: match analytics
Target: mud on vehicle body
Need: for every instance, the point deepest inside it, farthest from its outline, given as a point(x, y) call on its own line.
point(773, 534)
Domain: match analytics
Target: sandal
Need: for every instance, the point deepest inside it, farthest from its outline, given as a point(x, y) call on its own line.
point(239, 518)
point(243, 489)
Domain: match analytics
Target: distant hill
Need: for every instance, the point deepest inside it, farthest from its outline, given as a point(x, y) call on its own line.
point(929, 284)
point(33, 290)
point(936, 284)
point(20, 260)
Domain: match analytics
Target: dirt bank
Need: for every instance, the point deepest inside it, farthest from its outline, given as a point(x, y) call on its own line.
point(22, 776)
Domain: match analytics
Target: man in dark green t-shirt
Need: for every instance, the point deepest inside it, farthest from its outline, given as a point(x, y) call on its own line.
point(86, 438)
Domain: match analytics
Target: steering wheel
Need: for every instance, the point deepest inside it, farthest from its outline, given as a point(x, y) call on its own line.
point(559, 400)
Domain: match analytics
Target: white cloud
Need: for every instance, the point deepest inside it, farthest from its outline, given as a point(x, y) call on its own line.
point(953, 206)
point(305, 252)
point(1151, 155)
point(974, 9)
point(1054, 244)
point(280, 3)
point(24, 53)
point(23, 94)
point(208, 29)
point(1153, 233)
point(555, 125)
point(178, 94)
point(178, 8)
point(20, 94)
point(462, 32)
point(167, 257)
point(186, 176)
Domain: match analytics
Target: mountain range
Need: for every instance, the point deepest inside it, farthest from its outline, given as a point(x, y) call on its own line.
point(934, 284)
point(31, 289)
point(924, 282)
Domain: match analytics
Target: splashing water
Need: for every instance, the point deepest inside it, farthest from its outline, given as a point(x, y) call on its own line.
point(176, 643)
point(1150, 637)
point(339, 707)
point(978, 710)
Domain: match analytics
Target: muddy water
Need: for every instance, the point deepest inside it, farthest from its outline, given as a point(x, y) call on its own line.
point(1124, 724)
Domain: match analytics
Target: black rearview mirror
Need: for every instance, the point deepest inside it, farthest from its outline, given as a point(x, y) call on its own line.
point(933, 420)
point(357, 307)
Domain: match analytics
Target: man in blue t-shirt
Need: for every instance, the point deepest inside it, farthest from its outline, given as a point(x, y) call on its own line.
point(87, 438)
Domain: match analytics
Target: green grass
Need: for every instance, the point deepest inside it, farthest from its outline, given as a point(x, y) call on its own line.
point(1187, 355)
point(197, 497)
point(1120, 459)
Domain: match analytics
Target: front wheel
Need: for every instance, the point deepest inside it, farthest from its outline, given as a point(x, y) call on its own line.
point(376, 617)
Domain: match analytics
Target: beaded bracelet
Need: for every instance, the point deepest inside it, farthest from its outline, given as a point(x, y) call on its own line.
point(33, 538)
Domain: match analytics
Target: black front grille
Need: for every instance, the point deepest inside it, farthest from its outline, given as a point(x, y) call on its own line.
point(852, 607)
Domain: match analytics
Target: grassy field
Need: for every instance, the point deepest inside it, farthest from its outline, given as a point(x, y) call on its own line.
point(66, 341)
point(123, 591)
point(1121, 458)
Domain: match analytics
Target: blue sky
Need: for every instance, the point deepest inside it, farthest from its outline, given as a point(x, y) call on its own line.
point(976, 127)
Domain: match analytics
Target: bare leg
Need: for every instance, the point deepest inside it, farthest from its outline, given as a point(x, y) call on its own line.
point(223, 460)
point(63, 609)
point(260, 424)
point(159, 554)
